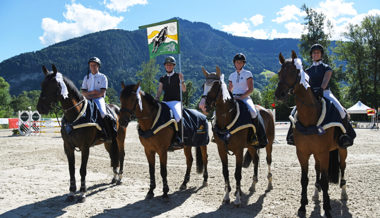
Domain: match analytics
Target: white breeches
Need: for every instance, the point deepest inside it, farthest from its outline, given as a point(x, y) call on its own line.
point(329, 95)
point(100, 102)
point(175, 106)
point(251, 107)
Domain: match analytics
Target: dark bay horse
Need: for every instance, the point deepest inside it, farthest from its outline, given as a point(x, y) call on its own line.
point(142, 105)
point(220, 98)
point(322, 147)
point(81, 138)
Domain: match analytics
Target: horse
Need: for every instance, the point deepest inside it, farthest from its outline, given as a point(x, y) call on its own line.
point(221, 99)
point(82, 138)
point(146, 112)
point(159, 39)
point(328, 160)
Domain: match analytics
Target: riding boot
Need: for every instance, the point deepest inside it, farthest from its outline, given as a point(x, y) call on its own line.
point(290, 136)
point(109, 131)
point(260, 131)
point(177, 140)
point(347, 139)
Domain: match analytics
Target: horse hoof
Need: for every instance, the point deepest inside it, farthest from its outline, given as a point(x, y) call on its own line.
point(149, 196)
point(226, 201)
point(205, 184)
point(270, 187)
point(119, 182)
point(182, 187)
point(70, 198)
point(344, 197)
point(113, 181)
point(165, 197)
point(301, 212)
point(327, 214)
point(237, 205)
point(81, 199)
point(252, 189)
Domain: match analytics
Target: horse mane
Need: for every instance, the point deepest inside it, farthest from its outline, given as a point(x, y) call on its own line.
point(72, 88)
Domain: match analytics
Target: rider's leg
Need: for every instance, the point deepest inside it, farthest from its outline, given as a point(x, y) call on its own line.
point(175, 107)
point(257, 122)
point(108, 121)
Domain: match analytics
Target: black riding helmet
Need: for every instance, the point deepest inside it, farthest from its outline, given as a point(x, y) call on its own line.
point(240, 57)
point(96, 60)
point(316, 47)
point(170, 60)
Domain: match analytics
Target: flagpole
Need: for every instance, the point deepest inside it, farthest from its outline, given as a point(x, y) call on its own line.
point(180, 87)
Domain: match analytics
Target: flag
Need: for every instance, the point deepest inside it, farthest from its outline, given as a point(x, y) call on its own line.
point(162, 38)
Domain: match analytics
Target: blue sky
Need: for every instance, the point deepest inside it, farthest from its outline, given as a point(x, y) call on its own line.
point(30, 25)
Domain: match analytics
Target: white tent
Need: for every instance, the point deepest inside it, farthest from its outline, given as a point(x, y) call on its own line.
point(358, 108)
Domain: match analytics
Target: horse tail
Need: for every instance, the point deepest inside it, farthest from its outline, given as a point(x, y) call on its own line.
point(247, 159)
point(199, 159)
point(334, 167)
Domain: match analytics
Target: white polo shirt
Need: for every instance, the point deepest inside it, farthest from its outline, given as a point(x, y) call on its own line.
point(239, 81)
point(95, 82)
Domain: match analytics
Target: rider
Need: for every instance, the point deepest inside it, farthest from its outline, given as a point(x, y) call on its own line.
point(320, 74)
point(94, 88)
point(170, 84)
point(240, 83)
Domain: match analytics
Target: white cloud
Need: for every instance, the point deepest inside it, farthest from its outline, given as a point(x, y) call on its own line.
point(123, 5)
point(287, 13)
point(294, 31)
point(79, 21)
point(257, 19)
point(243, 29)
point(336, 8)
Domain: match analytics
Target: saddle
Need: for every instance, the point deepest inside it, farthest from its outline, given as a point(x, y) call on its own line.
point(241, 121)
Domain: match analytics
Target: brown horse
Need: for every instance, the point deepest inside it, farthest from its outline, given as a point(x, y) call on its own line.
point(323, 147)
point(81, 138)
point(145, 108)
point(219, 98)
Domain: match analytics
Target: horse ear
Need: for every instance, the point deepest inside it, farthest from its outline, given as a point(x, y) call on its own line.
point(281, 58)
point(45, 70)
point(204, 72)
point(137, 86)
point(294, 55)
point(54, 69)
point(218, 71)
point(122, 85)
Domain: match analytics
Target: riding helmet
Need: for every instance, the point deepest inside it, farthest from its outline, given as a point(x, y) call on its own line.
point(96, 60)
point(316, 47)
point(239, 57)
point(170, 60)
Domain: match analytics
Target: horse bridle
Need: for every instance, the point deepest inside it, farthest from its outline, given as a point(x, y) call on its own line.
point(132, 112)
point(291, 88)
point(213, 103)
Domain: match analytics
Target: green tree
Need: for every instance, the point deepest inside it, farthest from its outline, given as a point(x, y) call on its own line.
point(188, 96)
point(5, 98)
point(147, 76)
point(256, 96)
point(112, 97)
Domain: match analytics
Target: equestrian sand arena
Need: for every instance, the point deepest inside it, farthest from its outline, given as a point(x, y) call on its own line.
point(34, 182)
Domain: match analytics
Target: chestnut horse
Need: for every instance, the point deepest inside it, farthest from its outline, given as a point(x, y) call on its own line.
point(219, 98)
point(81, 138)
point(322, 147)
point(142, 105)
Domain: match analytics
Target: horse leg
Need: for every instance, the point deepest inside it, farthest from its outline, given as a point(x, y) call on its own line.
point(255, 160)
point(189, 163)
point(204, 160)
point(317, 180)
point(239, 165)
point(114, 169)
point(227, 187)
point(71, 159)
point(150, 155)
point(324, 164)
point(304, 162)
point(269, 163)
point(343, 186)
point(83, 171)
point(163, 161)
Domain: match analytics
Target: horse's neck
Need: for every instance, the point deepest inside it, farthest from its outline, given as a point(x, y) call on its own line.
point(71, 112)
point(308, 107)
point(147, 115)
point(225, 112)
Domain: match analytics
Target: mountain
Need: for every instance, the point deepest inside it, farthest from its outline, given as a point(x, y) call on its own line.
point(122, 53)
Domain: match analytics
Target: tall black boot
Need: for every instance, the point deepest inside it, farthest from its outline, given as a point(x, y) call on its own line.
point(290, 136)
point(260, 131)
point(109, 130)
point(347, 139)
point(176, 141)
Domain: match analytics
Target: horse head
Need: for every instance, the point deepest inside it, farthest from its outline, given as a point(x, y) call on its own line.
point(129, 101)
point(50, 90)
point(212, 87)
point(288, 76)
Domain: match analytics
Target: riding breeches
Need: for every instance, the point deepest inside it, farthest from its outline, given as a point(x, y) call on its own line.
point(329, 95)
point(175, 106)
point(100, 102)
point(251, 107)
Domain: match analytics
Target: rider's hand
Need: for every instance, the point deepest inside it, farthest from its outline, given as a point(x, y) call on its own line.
point(180, 76)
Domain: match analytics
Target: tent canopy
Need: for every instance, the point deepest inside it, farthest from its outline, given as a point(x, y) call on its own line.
point(358, 108)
